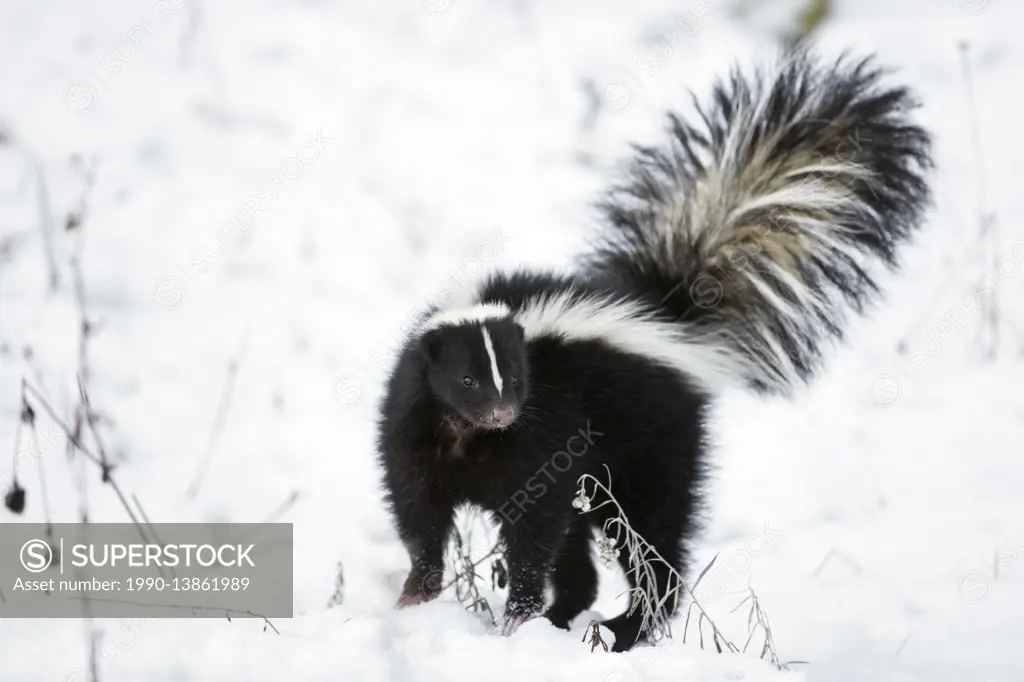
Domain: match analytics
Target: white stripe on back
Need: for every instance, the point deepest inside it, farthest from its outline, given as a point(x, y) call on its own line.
point(630, 327)
point(494, 360)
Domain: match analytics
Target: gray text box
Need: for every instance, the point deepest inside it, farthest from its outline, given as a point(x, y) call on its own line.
point(162, 570)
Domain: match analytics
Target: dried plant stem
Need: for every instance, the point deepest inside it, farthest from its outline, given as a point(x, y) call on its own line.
point(594, 631)
point(226, 397)
point(75, 441)
point(987, 226)
point(283, 508)
point(643, 558)
point(46, 224)
point(228, 612)
point(467, 591)
point(339, 588)
point(757, 620)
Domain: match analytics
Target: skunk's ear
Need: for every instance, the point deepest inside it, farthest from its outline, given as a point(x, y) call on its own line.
point(520, 331)
point(430, 346)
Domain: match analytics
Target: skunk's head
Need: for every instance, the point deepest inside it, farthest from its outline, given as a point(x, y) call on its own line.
point(476, 364)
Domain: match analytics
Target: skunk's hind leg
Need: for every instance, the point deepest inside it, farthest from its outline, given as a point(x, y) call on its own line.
point(573, 577)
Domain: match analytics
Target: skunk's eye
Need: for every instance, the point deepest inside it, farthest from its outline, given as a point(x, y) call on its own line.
point(514, 379)
point(469, 381)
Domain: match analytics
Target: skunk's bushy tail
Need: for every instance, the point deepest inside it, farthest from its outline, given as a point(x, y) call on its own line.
point(757, 225)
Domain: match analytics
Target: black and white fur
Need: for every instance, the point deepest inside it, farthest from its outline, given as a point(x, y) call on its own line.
point(730, 255)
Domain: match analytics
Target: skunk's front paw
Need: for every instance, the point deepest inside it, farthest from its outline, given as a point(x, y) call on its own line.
point(516, 616)
point(420, 587)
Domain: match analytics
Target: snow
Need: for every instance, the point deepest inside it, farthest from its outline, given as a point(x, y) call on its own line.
point(878, 515)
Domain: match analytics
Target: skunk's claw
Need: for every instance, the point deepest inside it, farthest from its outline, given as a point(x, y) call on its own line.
point(512, 621)
point(419, 589)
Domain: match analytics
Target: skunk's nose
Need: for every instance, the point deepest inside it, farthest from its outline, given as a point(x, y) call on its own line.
point(503, 416)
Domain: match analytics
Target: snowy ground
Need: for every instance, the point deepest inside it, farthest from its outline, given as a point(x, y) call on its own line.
point(879, 516)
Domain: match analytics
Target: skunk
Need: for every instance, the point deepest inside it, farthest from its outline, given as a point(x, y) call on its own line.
point(728, 257)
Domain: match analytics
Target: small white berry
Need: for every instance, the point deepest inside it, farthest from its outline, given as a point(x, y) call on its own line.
point(581, 501)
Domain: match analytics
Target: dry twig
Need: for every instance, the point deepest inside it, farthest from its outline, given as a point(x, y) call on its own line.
point(657, 608)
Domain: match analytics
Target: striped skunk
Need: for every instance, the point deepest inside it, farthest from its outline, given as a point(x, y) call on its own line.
point(728, 257)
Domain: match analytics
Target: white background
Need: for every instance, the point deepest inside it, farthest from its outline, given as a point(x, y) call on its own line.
point(891, 491)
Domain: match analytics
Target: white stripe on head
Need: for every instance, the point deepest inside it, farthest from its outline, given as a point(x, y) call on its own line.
point(494, 360)
point(477, 314)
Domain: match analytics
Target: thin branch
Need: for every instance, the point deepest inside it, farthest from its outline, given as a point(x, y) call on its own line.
point(338, 596)
point(75, 440)
point(226, 396)
point(761, 617)
point(495, 551)
point(283, 508)
point(657, 608)
point(987, 232)
point(467, 591)
point(72, 437)
point(44, 493)
point(90, 420)
point(17, 443)
point(194, 608)
point(594, 631)
point(46, 223)
point(152, 531)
